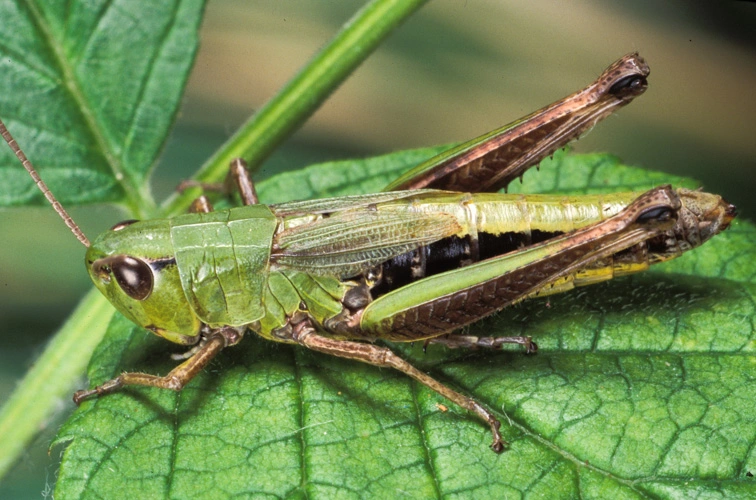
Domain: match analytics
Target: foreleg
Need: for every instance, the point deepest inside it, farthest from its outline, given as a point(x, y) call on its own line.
point(178, 377)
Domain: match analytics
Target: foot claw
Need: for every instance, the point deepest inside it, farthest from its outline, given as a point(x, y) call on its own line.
point(498, 446)
point(530, 346)
point(80, 396)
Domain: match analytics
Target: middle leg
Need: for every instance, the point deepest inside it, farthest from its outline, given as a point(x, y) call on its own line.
point(453, 341)
point(238, 178)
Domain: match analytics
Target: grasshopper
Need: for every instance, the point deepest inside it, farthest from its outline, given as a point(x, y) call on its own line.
point(438, 250)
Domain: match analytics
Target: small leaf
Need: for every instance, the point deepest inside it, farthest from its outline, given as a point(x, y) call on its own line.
point(89, 89)
point(643, 387)
point(94, 137)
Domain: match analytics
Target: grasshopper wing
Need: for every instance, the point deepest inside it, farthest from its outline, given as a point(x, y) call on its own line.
point(351, 242)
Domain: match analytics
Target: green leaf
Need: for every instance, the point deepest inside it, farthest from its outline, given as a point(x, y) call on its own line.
point(94, 137)
point(643, 388)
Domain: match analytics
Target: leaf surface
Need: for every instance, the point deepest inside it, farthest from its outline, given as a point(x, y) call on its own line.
point(90, 90)
point(642, 388)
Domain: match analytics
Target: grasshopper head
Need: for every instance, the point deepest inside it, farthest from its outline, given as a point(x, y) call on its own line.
point(133, 266)
point(702, 216)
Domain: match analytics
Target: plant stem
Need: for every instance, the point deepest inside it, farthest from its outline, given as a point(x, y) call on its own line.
point(304, 93)
point(51, 377)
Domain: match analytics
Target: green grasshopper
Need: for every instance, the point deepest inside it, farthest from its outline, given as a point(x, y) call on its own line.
point(435, 252)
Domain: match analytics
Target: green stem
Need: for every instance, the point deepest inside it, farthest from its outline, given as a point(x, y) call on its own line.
point(304, 93)
point(51, 377)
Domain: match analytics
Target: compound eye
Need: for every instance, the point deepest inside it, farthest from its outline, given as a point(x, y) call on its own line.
point(629, 85)
point(123, 224)
point(655, 214)
point(133, 276)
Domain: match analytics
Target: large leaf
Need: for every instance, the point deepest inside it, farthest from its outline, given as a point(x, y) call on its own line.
point(90, 90)
point(643, 387)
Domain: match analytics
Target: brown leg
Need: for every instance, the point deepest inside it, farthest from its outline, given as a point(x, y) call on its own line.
point(178, 377)
point(201, 205)
point(380, 356)
point(239, 175)
point(471, 342)
point(238, 178)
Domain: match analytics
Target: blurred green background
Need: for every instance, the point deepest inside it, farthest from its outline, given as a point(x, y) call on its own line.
point(454, 71)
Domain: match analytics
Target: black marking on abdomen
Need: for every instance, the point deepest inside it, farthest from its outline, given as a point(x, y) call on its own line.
point(450, 253)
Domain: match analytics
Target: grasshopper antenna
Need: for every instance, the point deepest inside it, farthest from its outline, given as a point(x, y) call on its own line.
point(42, 186)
